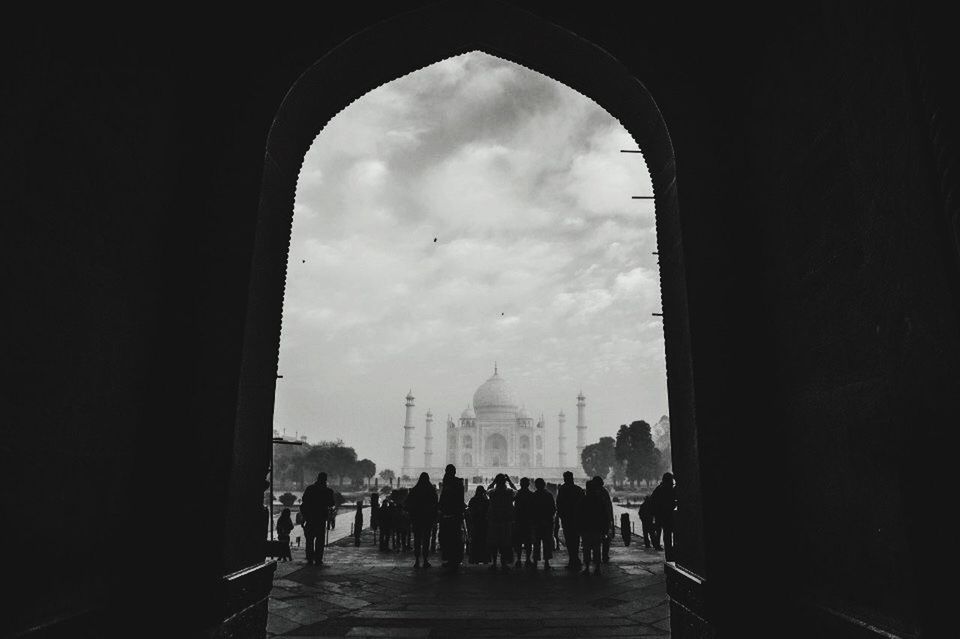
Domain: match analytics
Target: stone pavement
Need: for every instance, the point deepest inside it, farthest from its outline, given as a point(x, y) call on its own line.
point(362, 592)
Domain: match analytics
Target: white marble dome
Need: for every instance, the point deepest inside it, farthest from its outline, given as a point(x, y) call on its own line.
point(494, 399)
point(468, 413)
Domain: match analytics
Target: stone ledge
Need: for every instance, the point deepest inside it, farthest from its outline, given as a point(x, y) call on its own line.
point(687, 604)
point(686, 588)
point(828, 620)
point(246, 587)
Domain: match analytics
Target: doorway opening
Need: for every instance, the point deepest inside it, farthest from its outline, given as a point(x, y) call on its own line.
point(359, 66)
point(471, 211)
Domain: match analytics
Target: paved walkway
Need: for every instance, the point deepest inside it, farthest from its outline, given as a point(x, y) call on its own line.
point(362, 592)
point(341, 529)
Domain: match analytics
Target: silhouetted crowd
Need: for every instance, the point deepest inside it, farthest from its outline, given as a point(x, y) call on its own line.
point(501, 525)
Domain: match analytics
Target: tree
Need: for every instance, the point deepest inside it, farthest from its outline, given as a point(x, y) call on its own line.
point(387, 476)
point(590, 459)
point(618, 473)
point(653, 468)
point(343, 462)
point(597, 459)
point(288, 465)
point(635, 447)
point(288, 499)
point(666, 461)
point(366, 469)
point(661, 433)
point(333, 458)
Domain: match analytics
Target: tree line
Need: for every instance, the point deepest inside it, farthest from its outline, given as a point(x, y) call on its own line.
point(631, 457)
point(297, 466)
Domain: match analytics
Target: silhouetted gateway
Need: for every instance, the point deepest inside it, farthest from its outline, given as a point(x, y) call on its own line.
point(495, 435)
point(146, 227)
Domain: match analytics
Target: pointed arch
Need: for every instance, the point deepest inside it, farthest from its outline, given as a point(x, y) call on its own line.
point(416, 40)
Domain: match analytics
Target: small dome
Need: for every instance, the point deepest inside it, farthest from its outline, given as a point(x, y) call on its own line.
point(523, 414)
point(467, 413)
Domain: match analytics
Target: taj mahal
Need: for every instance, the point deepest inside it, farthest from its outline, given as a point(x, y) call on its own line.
point(494, 435)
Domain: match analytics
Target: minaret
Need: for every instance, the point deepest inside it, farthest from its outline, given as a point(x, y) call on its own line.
point(581, 424)
point(428, 442)
point(563, 440)
point(408, 432)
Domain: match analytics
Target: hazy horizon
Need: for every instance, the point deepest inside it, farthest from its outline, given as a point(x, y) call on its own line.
point(473, 211)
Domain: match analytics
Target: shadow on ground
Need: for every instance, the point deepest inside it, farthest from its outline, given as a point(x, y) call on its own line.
point(362, 592)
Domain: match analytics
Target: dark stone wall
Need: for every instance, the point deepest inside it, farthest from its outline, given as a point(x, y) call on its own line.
point(821, 277)
point(861, 296)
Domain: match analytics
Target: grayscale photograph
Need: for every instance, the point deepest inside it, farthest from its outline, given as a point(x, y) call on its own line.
point(481, 319)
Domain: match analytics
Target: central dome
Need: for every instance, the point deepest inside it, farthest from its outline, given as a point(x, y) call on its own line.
point(495, 400)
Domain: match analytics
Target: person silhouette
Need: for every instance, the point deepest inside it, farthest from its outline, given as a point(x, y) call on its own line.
point(500, 521)
point(477, 514)
point(523, 522)
point(569, 496)
point(374, 513)
point(401, 520)
point(592, 520)
point(610, 530)
point(284, 528)
point(316, 504)
point(385, 518)
point(422, 505)
point(651, 533)
point(338, 500)
point(358, 522)
point(543, 513)
point(664, 500)
point(451, 518)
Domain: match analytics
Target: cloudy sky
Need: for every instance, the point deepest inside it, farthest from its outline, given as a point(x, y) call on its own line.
point(473, 211)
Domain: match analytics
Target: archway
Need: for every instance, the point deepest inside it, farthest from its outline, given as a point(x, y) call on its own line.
point(495, 451)
point(358, 66)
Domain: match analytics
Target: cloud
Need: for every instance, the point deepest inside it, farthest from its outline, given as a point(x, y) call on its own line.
point(541, 260)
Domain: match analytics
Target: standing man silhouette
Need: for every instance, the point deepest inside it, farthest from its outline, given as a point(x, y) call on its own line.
point(568, 500)
point(592, 516)
point(651, 534)
point(477, 514)
point(523, 523)
point(500, 521)
point(385, 521)
point(610, 531)
point(374, 513)
point(544, 512)
point(452, 508)
point(358, 522)
point(422, 505)
point(316, 503)
point(664, 500)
